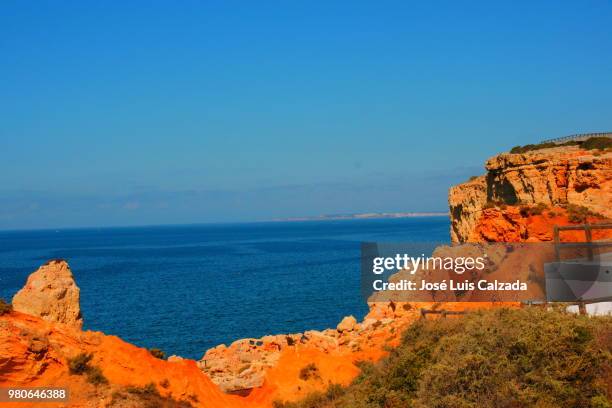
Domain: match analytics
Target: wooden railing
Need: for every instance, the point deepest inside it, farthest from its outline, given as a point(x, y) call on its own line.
point(588, 244)
point(442, 312)
point(577, 137)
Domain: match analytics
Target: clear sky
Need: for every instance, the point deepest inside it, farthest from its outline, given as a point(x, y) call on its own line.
point(128, 113)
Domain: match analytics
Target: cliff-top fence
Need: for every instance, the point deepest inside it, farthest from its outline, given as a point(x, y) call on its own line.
point(577, 137)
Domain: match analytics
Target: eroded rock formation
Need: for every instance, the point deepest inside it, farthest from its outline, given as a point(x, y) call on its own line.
point(243, 365)
point(51, 294)
point(554, 177)
point(43, 332)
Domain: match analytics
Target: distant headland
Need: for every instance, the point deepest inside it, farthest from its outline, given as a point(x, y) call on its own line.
point(360, 216)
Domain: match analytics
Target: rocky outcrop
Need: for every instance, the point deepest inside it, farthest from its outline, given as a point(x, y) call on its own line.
point(51, 294)
point(244, 365)
point(554, 177)
point(35, 353)
point(466, 202)
point(43, 332)
point(347, 324)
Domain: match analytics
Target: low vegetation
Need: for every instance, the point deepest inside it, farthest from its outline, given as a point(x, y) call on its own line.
point(530, 210)
point(315, 399)
point(146, 397)
point(593, 143)
point(487, 359)
point(81, 365)
point(578, 214)
point(309, 371)
point(5, 307)
point(495, 204)
point(539, 146)
point(95, 376)
point(157, 353)
point(597, 143)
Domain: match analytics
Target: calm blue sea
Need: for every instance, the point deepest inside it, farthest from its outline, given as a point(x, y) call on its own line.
point(185, 289)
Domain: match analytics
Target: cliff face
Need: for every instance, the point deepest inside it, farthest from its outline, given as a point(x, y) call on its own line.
point(35, 353)
point(487, 208)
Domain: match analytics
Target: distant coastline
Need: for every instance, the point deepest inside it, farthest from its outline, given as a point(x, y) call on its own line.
point(361, 216)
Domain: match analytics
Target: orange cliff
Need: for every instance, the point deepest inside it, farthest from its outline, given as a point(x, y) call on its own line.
point(34, 352)
point(522, 196)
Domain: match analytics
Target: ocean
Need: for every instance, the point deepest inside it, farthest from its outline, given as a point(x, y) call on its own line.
point(184, 289)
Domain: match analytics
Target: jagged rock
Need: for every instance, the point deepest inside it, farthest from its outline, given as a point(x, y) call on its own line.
point(347, 324)
point(51, 294)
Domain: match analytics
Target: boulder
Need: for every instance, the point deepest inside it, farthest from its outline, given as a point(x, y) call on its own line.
point(51, 294)
point(347, 324)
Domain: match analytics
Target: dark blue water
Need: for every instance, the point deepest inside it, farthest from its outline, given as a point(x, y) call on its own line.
point(185, 289)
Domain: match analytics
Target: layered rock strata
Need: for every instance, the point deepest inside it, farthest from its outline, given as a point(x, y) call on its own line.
point(554, 177)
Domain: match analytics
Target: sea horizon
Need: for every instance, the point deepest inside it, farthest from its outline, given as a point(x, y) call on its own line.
point(188, 288)
point(315, 218)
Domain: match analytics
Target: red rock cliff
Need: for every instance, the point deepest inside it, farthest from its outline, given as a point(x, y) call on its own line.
point(495, 207)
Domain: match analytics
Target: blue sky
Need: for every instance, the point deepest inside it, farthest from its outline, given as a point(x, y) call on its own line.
point(128, 113)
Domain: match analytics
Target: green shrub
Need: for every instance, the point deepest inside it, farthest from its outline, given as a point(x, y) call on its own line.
point(597, 143)
point(578, 213)
point(487, 359)
point(495, 204)
point(530, 210)
point(593, 143)
point(546, 145)
point(157, 353)
point(80, 365)
point(309, 371)
point(95, 376)
point(531, 147)
point(5, 307)
point(149, 389)
point(147, 397)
